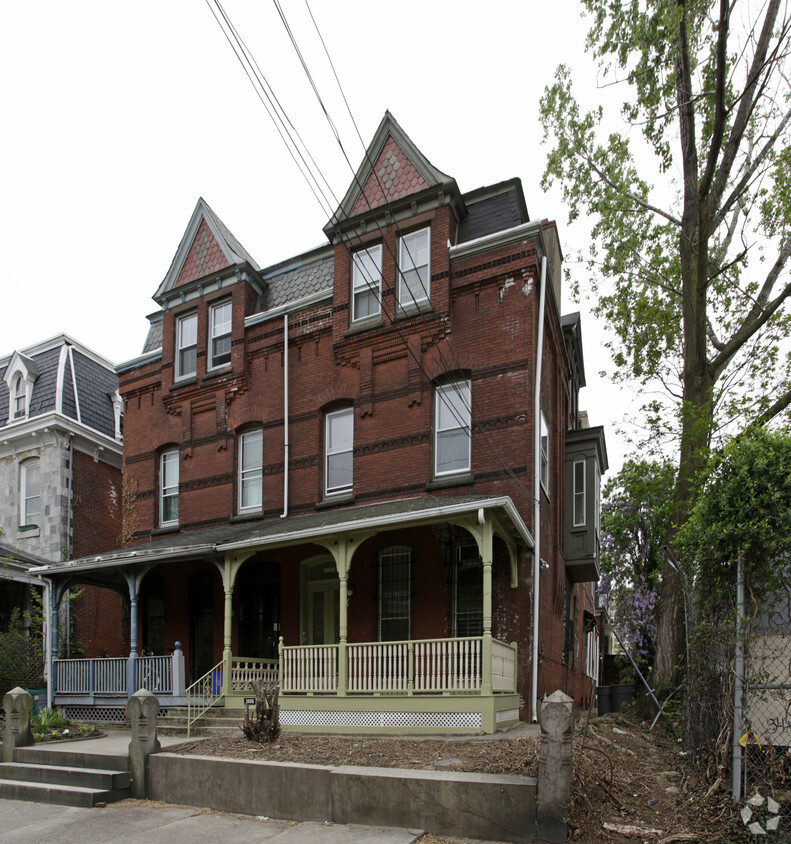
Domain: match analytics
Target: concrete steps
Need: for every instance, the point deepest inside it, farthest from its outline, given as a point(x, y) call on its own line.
point(67, 778)
point(218, 721)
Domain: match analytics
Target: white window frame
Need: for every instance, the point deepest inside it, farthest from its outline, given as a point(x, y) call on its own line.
point(579, 495)
point(408, 246)
point(452, 416)
point(544, 453)
point(182, 346)
point(251, 476)
point(334, 449)
point(30, 500)
point(220, 326)
point(367, 280)
point(20, 398)
point(168, 485)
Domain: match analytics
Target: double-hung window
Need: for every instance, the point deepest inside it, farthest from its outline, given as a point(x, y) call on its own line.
point(414, 263)
point(251, 466)
point(366, 282)
point(452, 414)
point(20, 398)
point(169, 487)
point(186, 346)
point(544, 453)
point(30, 493)
point(220, 335)
point(395, 594)
point(339, 451)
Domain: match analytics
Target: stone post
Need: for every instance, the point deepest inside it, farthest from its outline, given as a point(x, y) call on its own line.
point(554, 770)
point(143, 708)
point(179, 676)
point(17, 705)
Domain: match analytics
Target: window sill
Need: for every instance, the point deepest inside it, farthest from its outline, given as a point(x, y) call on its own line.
point(335, 500)
point(165, 529)
point(365, 324)
point(452, 480)
point(216, 372)
point(413, 308)
point(252, 516)
point(184, 382)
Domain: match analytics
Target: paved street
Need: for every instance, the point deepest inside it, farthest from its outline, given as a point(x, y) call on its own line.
point(140, 821)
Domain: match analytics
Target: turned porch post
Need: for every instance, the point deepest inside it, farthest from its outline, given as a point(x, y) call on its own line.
point(233, 562)
point(487, 554)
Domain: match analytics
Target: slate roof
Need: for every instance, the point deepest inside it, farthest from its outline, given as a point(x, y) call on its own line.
point(305, 276)
point(85, 392)
point(492, 212)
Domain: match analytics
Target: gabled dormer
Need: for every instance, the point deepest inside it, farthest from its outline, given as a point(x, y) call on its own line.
point(391, 234)
point(212, 284)
point(20, 376)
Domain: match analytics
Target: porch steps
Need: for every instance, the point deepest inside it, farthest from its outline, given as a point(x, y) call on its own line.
point(217, 721)
point(64, 778)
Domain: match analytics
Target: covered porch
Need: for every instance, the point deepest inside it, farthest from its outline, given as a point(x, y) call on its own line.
point(296, 598)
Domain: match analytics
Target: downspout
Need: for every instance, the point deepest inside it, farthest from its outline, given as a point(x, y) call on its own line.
point(537, 482)
point(285, 416)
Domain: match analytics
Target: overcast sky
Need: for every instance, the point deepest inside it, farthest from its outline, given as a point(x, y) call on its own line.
point(118, 116)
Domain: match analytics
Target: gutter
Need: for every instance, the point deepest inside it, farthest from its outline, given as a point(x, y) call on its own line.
point(537, 482)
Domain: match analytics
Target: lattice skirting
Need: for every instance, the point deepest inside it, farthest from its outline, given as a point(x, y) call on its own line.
point(100, 714)
point(433, 720)
point(507, 715)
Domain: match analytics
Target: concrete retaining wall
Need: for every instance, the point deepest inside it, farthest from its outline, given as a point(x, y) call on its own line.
point(488, 806)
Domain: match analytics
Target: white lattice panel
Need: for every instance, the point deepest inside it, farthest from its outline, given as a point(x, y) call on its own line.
point(97, 714)
point(432, 720)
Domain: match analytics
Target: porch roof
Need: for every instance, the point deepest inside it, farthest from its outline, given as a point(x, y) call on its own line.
point(296, 530)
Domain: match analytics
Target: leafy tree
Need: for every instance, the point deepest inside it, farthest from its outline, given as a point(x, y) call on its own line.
point(691, 275)
point(635, 517)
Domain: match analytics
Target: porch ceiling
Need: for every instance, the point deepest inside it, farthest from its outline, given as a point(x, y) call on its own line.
point(297, 530)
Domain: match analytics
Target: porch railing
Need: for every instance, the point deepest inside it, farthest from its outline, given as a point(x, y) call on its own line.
point(203, 694)
point(247, 670)
point(162, 675)
point(438, 666)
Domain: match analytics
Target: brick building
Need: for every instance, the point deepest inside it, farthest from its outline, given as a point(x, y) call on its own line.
point(60, 476)
point(351, 468)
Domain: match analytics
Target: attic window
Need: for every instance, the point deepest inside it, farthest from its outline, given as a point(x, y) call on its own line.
point(220, 339)
point(20, 398)
point(186, 345)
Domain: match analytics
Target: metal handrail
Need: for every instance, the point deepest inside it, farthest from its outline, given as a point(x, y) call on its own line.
point(201, 695)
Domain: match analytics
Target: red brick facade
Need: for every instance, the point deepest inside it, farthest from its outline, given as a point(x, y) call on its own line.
point(479, 325)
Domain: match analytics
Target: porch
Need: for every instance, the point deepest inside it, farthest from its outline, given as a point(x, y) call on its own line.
point(343, 652)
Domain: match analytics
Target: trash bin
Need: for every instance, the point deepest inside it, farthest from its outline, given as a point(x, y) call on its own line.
point(39, 699)
point(603, 699)
point(621, 695)
point(216, 682)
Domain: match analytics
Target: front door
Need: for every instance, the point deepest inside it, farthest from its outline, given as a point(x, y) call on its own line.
point(321, 602)
point(202, 624)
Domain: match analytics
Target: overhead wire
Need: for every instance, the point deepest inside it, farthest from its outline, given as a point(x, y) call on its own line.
point(279, 117)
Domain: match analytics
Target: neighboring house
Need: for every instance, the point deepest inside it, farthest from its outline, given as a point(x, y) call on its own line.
point(335, 463)
point(60, 475)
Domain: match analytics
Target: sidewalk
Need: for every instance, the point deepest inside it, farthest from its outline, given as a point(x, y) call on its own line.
point(143, 821)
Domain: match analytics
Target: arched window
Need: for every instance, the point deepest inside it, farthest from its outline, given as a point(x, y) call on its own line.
point(20, 398)
point(251, 470)
point(169, 487)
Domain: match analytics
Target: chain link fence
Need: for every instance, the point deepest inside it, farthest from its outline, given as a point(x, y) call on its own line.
point(762, 723)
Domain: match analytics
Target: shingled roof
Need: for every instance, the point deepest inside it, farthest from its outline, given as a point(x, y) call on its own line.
point(68, 379)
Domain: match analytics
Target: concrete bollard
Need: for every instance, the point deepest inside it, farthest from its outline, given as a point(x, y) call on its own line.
point(17, 705)
point(554, 770)
point(143, 709)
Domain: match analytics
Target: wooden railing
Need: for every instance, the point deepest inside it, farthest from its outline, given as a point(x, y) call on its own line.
point(424, 666)
point(247, 670)
point(154, 673)
point(310, 668)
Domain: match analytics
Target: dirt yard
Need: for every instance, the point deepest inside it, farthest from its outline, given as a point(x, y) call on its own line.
point(629, 784)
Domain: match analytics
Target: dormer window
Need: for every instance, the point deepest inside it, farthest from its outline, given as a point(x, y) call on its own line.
point(20, 398)
point(414, 262)
point(220, 335)
point(367, 283)
point(186, 346)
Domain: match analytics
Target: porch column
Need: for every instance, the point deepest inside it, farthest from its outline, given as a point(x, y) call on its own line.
point(133, 580)
point(53, 635)
point(486, 558)
point(233, 562)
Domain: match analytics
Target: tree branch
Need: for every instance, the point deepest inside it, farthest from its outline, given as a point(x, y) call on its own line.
point(776, 408)
point(720, 112)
